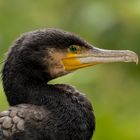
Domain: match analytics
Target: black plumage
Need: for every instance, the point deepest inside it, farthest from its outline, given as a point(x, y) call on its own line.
point(67, 114)
point(41, 111)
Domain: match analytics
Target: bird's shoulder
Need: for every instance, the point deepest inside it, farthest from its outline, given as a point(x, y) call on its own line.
point(13, 120)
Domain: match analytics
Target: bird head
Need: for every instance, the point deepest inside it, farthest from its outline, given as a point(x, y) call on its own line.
point(54, 53)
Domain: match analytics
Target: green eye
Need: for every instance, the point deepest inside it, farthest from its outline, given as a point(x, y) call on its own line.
point(73, 49)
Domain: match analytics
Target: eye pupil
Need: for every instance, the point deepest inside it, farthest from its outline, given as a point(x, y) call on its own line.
point(73, 48)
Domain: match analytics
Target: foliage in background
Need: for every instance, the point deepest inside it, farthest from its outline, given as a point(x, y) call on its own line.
point(113, 89)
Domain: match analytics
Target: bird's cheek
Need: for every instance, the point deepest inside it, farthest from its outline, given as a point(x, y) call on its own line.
point(56, 70)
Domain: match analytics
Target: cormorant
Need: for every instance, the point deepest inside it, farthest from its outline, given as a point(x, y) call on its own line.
point(42, 111)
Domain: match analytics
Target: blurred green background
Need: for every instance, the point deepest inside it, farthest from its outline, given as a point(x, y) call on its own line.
point(113, 89)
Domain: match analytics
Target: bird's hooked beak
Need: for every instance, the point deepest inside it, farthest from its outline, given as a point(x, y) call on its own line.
point(93, 56)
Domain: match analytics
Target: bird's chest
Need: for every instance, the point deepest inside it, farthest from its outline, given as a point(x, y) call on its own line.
point(71, 118)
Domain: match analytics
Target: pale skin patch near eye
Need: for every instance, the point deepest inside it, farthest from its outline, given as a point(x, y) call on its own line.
point(71, 61)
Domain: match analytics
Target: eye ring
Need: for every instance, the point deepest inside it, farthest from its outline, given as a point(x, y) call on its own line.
point(73, 49)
